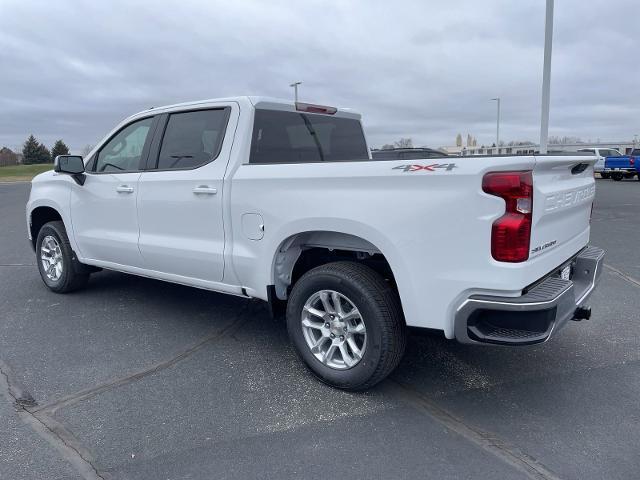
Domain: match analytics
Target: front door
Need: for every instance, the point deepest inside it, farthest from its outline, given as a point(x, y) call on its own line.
point(103, 211)
point(180, 194)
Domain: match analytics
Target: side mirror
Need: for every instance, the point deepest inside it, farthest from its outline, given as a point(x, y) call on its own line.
point(72, 165)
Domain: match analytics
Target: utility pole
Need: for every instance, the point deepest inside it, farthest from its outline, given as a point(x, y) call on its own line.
point(295, 90)
point(546, 78)
point(497, 99)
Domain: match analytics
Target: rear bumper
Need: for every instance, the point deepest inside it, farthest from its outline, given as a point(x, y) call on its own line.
point(535, 316)
point(621, 169)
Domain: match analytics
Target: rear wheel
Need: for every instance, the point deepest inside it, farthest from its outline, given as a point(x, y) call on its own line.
point(57, 263)
point(346, 324)
point(617, 176)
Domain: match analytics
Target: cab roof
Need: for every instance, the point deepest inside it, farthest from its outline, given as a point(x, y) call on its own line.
point(258, 102)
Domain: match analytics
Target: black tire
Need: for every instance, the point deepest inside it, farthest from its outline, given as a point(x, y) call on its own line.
point(638, 177)
point(381, 313)
point(604, 175)
point(74, 274)
point(617, 176)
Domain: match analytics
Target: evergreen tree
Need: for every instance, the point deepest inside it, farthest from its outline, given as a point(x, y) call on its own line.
point(30, 151)
point(59, 149)
point(44, 156)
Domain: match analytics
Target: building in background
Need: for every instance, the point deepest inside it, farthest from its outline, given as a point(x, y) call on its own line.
point(8, 157)
point(624, 148)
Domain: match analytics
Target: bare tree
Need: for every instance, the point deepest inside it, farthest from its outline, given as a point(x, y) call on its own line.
point(404, 143)
point(555, 140)
point(458, 140)
point(469, 140)
point(387, 146)
point(86, 149)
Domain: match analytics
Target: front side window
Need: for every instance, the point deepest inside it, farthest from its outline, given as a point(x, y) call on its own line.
point(292, 137)
point(124, 151)
point(192, 139)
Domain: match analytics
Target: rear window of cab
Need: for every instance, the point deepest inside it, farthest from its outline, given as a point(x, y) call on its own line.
point(294, 137)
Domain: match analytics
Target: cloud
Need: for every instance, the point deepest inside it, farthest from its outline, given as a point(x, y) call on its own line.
point(425, 70)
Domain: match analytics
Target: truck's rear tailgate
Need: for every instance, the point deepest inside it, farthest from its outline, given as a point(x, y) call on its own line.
point(564, 189)
point(613, 163)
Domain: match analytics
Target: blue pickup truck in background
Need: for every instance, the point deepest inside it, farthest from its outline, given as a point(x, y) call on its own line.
point(623, 166)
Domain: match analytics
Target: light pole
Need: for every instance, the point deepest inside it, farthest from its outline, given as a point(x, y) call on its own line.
point(497, 100)
point(295, 90)
point(546, 78)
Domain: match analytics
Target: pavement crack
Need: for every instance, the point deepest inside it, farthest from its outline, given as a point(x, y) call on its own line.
point(624, 276)
point(52, 407)
point(40, 418)
point(487, 441)
point(50, 430)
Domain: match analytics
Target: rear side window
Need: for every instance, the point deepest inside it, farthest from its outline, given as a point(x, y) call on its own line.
point(192, 139)
point(292, 137)
point(609, 153)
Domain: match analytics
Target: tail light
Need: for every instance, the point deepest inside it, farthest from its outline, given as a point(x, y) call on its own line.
point(511, 233)
point(632, 161)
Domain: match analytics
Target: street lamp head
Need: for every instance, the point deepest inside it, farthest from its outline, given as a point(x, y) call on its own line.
point(295, 83)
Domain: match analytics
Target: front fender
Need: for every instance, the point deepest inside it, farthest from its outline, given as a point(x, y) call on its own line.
point(54, 191)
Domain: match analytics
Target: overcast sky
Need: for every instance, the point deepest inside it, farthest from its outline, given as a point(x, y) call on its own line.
point(420, 69)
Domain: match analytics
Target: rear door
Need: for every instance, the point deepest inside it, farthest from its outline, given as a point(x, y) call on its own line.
point(564, 189)
point(181, 192)
point(614, 159)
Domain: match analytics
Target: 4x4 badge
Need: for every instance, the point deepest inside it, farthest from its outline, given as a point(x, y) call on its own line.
point(429, 168)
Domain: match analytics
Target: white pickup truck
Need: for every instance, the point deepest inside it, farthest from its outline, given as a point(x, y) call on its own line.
point(282, 201)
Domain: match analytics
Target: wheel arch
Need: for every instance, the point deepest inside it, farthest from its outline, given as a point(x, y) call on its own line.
point(301, 251)
point(39, 216)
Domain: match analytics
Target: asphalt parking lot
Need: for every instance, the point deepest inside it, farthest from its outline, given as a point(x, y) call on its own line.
point(138, 379)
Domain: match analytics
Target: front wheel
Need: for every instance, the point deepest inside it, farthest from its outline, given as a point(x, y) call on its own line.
point(617, 176)
point(604, 175)
point(346, 324)
point(58, 266)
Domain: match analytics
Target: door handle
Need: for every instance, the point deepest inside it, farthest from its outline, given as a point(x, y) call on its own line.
point(124, 189)
point(206, 189)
